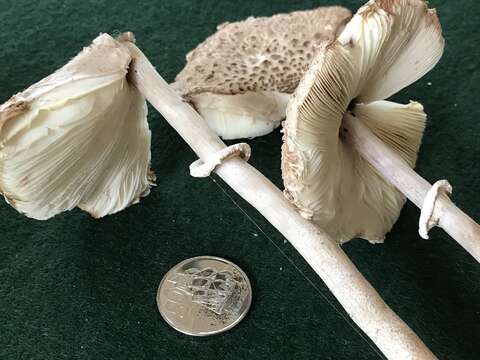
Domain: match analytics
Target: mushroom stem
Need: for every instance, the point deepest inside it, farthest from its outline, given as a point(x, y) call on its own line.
point(395, 170)
point(360, 300)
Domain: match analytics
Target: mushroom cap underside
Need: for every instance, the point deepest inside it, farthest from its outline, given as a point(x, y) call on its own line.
point(324, 177)
point(79, 137)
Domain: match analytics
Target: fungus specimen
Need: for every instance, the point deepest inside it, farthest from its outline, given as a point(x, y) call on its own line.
point(348, 154)
point(241, 78)
point(79, 137)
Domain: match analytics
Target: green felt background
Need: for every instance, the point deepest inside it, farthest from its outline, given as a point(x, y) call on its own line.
point(79, 288)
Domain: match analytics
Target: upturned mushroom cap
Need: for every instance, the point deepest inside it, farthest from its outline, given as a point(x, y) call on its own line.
point(386, 46)
point(259, 60)
point(79, 137)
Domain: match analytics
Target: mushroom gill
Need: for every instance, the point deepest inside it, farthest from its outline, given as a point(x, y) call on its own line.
point(386, 46)
point(79, 137)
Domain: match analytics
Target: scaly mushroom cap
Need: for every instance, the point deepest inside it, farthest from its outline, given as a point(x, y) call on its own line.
point(260, 54)
point(386, 46)
point(79, 137)
point(258, 61)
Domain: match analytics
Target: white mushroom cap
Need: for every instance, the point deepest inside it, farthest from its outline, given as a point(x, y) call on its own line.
point(386, 46)
point(259, 60)
point(79, 137)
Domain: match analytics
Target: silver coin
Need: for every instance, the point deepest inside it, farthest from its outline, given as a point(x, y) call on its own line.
point(204, 295)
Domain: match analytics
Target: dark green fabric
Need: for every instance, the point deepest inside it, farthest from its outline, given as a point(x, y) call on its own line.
point(79, 288)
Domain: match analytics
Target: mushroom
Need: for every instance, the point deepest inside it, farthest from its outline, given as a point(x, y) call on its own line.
point(79, 137)
point(393, 337)
point(241, 78)
point(348, 154)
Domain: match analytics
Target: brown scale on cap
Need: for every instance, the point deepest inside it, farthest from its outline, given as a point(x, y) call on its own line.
point(260, 54)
